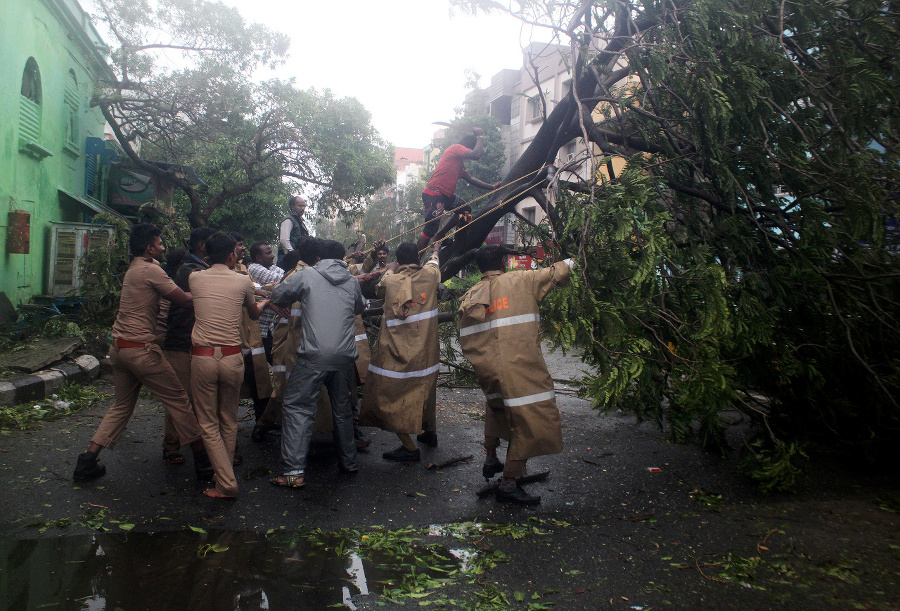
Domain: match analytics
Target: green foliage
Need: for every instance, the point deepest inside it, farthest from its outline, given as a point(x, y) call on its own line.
point(101, 274)
point(773, 465)
point(449, 334)
point(238, 135)
point(71, 398)
point(58, 326)
point(256, 215)
point(742, 259)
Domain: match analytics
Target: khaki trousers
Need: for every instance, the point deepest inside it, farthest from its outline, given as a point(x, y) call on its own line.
point(181, 363)
point(145, 366)
point(216, 387)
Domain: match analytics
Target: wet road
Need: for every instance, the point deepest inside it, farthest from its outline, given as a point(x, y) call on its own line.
point(622, 524)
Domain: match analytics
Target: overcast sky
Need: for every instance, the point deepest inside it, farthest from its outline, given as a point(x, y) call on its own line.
point(405, 60)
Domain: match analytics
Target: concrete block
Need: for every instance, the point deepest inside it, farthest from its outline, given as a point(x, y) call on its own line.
point(89, 364)
point(54, 381)
point(7, 394)
point(28, 388)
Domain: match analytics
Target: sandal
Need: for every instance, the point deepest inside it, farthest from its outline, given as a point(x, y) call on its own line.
point(288, 481)
point(173, 457)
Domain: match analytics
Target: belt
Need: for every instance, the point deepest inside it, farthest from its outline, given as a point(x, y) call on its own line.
point(124, 343)
point(211, 350)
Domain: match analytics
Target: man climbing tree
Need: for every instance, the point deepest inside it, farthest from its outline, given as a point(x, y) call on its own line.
point(439, 193)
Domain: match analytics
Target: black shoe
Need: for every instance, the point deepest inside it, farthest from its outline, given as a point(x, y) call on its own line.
point(401, 454)
point(238, 460)
point(202, 467)
point(517, 495)
point(260, 431)
point(88, 468)
point(490, 468)
point(428, 438)
point(353, 469)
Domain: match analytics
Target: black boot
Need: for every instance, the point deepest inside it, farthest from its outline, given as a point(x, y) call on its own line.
point(491, 467)
point(260, 431)
point(88, 468)
point(202, 467)
point(428, 438)
point(517, 495)
point(401, 454)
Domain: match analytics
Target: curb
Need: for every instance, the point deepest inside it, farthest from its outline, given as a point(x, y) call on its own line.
point(42, 384)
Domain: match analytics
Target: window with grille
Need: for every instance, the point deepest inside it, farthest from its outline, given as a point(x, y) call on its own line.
point(30, 102)
point(70, 106)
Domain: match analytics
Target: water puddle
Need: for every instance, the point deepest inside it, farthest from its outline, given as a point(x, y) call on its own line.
point(228, 570)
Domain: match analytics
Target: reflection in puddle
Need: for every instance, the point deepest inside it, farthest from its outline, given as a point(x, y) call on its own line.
point(464, 556)
point(190, 570)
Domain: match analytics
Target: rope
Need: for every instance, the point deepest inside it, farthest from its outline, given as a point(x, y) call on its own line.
point(488, 211)
point(446, 212)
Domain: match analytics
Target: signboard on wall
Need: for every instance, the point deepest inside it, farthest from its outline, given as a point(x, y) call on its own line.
point(520, 262)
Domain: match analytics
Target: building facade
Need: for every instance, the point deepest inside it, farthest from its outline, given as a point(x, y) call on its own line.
point(52, 142)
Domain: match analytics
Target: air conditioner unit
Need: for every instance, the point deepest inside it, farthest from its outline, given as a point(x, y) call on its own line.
point(68, 244)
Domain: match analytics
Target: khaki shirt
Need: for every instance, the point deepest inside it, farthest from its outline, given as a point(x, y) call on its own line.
point(220, 296)
point(144, 283)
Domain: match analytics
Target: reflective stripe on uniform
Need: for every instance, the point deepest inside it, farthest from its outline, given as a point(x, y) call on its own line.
point(404, 374)
point(499, 322)
point(527, 400)
point(279, 369)
point(296, 312)
point(361, 337)
point(414, 318)
point(253, 351)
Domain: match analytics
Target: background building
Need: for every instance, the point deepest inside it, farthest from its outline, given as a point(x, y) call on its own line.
point(52, 143)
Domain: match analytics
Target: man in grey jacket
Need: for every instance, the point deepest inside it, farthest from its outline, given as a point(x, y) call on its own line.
point(330, 298)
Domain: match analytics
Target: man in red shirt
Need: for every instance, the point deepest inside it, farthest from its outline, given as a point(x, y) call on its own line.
point(439, 193)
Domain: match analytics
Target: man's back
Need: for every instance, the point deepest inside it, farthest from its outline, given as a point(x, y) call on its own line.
point(219, 298)
point(330, 299)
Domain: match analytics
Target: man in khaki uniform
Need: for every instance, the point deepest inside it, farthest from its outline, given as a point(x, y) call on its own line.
point(138, 361)
point(217, 367)
point(177, 343)
point(499, 330)
point(400, 394)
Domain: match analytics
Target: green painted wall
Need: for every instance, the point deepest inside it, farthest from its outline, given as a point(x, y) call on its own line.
point(58, 35)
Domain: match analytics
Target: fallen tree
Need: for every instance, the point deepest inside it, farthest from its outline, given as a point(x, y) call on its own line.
point(744, 257)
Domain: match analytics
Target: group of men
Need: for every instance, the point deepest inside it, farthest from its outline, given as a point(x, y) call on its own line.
point(311, 336)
